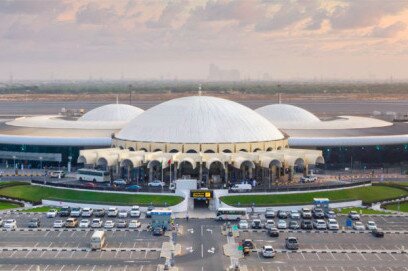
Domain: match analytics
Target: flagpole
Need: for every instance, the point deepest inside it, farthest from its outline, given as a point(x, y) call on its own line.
point(162, 175)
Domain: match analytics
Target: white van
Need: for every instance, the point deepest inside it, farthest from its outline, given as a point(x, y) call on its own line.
point(98, 240)
point(57, 174)
point(242, 187)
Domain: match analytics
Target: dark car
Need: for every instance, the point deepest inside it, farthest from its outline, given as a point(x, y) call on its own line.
point(291, 243)
point(65, 211)
point(134, 187)
point(158, 231)
point(149, 211)
point(318, 213)
point(270, 213)
point(256, 224)
point(248, 243)
point(282, 214)
point(377, 233)
point(34, 223)
point(99, 212)
point(90, 185)
point(273, 232)
point(306, 225)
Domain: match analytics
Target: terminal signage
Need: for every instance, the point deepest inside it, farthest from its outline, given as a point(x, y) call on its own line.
point(201, 194)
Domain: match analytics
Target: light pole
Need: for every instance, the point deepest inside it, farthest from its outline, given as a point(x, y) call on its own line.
point(14, 158)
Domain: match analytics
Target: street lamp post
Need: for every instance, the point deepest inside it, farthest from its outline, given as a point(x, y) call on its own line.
point(14, 158)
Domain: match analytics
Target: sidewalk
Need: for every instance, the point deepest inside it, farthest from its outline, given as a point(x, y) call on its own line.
point(196, 214)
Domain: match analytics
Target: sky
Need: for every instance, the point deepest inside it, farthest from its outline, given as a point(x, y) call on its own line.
point(282, 40)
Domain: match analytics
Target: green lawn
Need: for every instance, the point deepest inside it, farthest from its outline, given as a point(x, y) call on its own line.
point(397, 183)
point(367, 194)
point(7, 205)
point(3, 183)
point(362, 211)
point(42, 209)
point(394, 207)
point(37, 193)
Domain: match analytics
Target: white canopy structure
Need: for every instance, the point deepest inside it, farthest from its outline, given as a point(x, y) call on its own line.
point(112, 112)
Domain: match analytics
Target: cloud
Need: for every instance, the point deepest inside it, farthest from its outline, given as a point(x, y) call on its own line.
point(95, 14)
point(359, 14)
point(30, 6)
point(168, 15)
point(388, 31)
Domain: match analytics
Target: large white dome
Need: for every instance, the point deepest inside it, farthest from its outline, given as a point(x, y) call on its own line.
point(200, 119)
point(112, 112)
point(286, 115)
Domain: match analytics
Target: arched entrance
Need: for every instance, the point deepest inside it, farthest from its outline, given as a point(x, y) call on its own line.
point(187, 170)
point(216, 173)
point(246, 170)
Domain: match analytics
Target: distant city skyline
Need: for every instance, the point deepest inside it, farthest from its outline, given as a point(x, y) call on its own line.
point(169, 40)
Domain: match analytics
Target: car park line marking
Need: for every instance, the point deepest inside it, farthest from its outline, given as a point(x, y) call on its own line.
point(362, 256)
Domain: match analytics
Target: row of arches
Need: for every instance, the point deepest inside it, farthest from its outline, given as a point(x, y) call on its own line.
point(194, 151)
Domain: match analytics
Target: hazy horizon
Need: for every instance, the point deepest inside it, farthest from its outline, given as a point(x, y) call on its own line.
point(168, 40)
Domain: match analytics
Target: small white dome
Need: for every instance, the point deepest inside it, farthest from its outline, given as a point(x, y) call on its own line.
point(112, 112)
point(200, 119)
point(286, 115)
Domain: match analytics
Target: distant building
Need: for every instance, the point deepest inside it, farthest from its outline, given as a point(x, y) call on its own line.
point(217, 74)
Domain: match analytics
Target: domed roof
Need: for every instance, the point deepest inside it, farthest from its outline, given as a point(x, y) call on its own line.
point(199, 119)
point(286, 115)
point(112, 112)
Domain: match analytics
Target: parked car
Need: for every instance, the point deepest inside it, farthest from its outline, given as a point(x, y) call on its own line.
point(256, 224)
point(121, 223)
point(294, 214)
point(318, 213)
point(291, 243)
point(96, 223)
point(319, 224)
point(90, 185)
point(71, 222)
point(155, 183)
point(1, 221)
point(306, 225)
point(282, 214)
point(377, 233)
point(330, 214)
point(119, 182)
point(354, 215)
point(269, 224)
point(99, 212)
point(149, 211)
point(58, 224)
point(134, 224)
point(306, 213)
point(268, 252)
point(65, 211)
point(52, 213)
point(248, 243)
point(243, 224)
point(294, 225)
point(133, 187)
point(109, 224)
point(308, 179)
point(332, 224)
point(241, 187)
point(84, 223)
point(135, 211)
point(273, 232)
point(34, 223)
point(282, 224)
point(10, 224)
point(358, 226)
point(76, 212)
point(87, 212)
point(269, 213)
point(371, 225)
point(112, 212)
point(123, 214)
point(158, 231)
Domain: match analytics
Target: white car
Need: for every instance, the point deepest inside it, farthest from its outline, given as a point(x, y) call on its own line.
point(308, 179)
point(371, 225)
point(155, 183)
point(112, 212)
point(319, 224)
point(332, 224)
point(358, 226)
point(294, 214)
point(52, 213)
point(84, 223)
point(96, 223)
point(87, 212)
point(268, 252)
point(354, 215)
point(76, 212)
point(243, 224)
point(58, 224)
point(109, 224)
point(242, 187)
point(269, 224)
point(135, 211)
point(282, 224)
point(123, 214)
point(10, 224)
point(134, 224)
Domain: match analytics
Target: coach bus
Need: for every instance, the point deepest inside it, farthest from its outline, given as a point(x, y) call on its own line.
point(93, 175)
point(231, 214)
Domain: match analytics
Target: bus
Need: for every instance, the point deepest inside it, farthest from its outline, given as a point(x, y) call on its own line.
point(231, 213)
point(93, 175)
point(98, 240)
